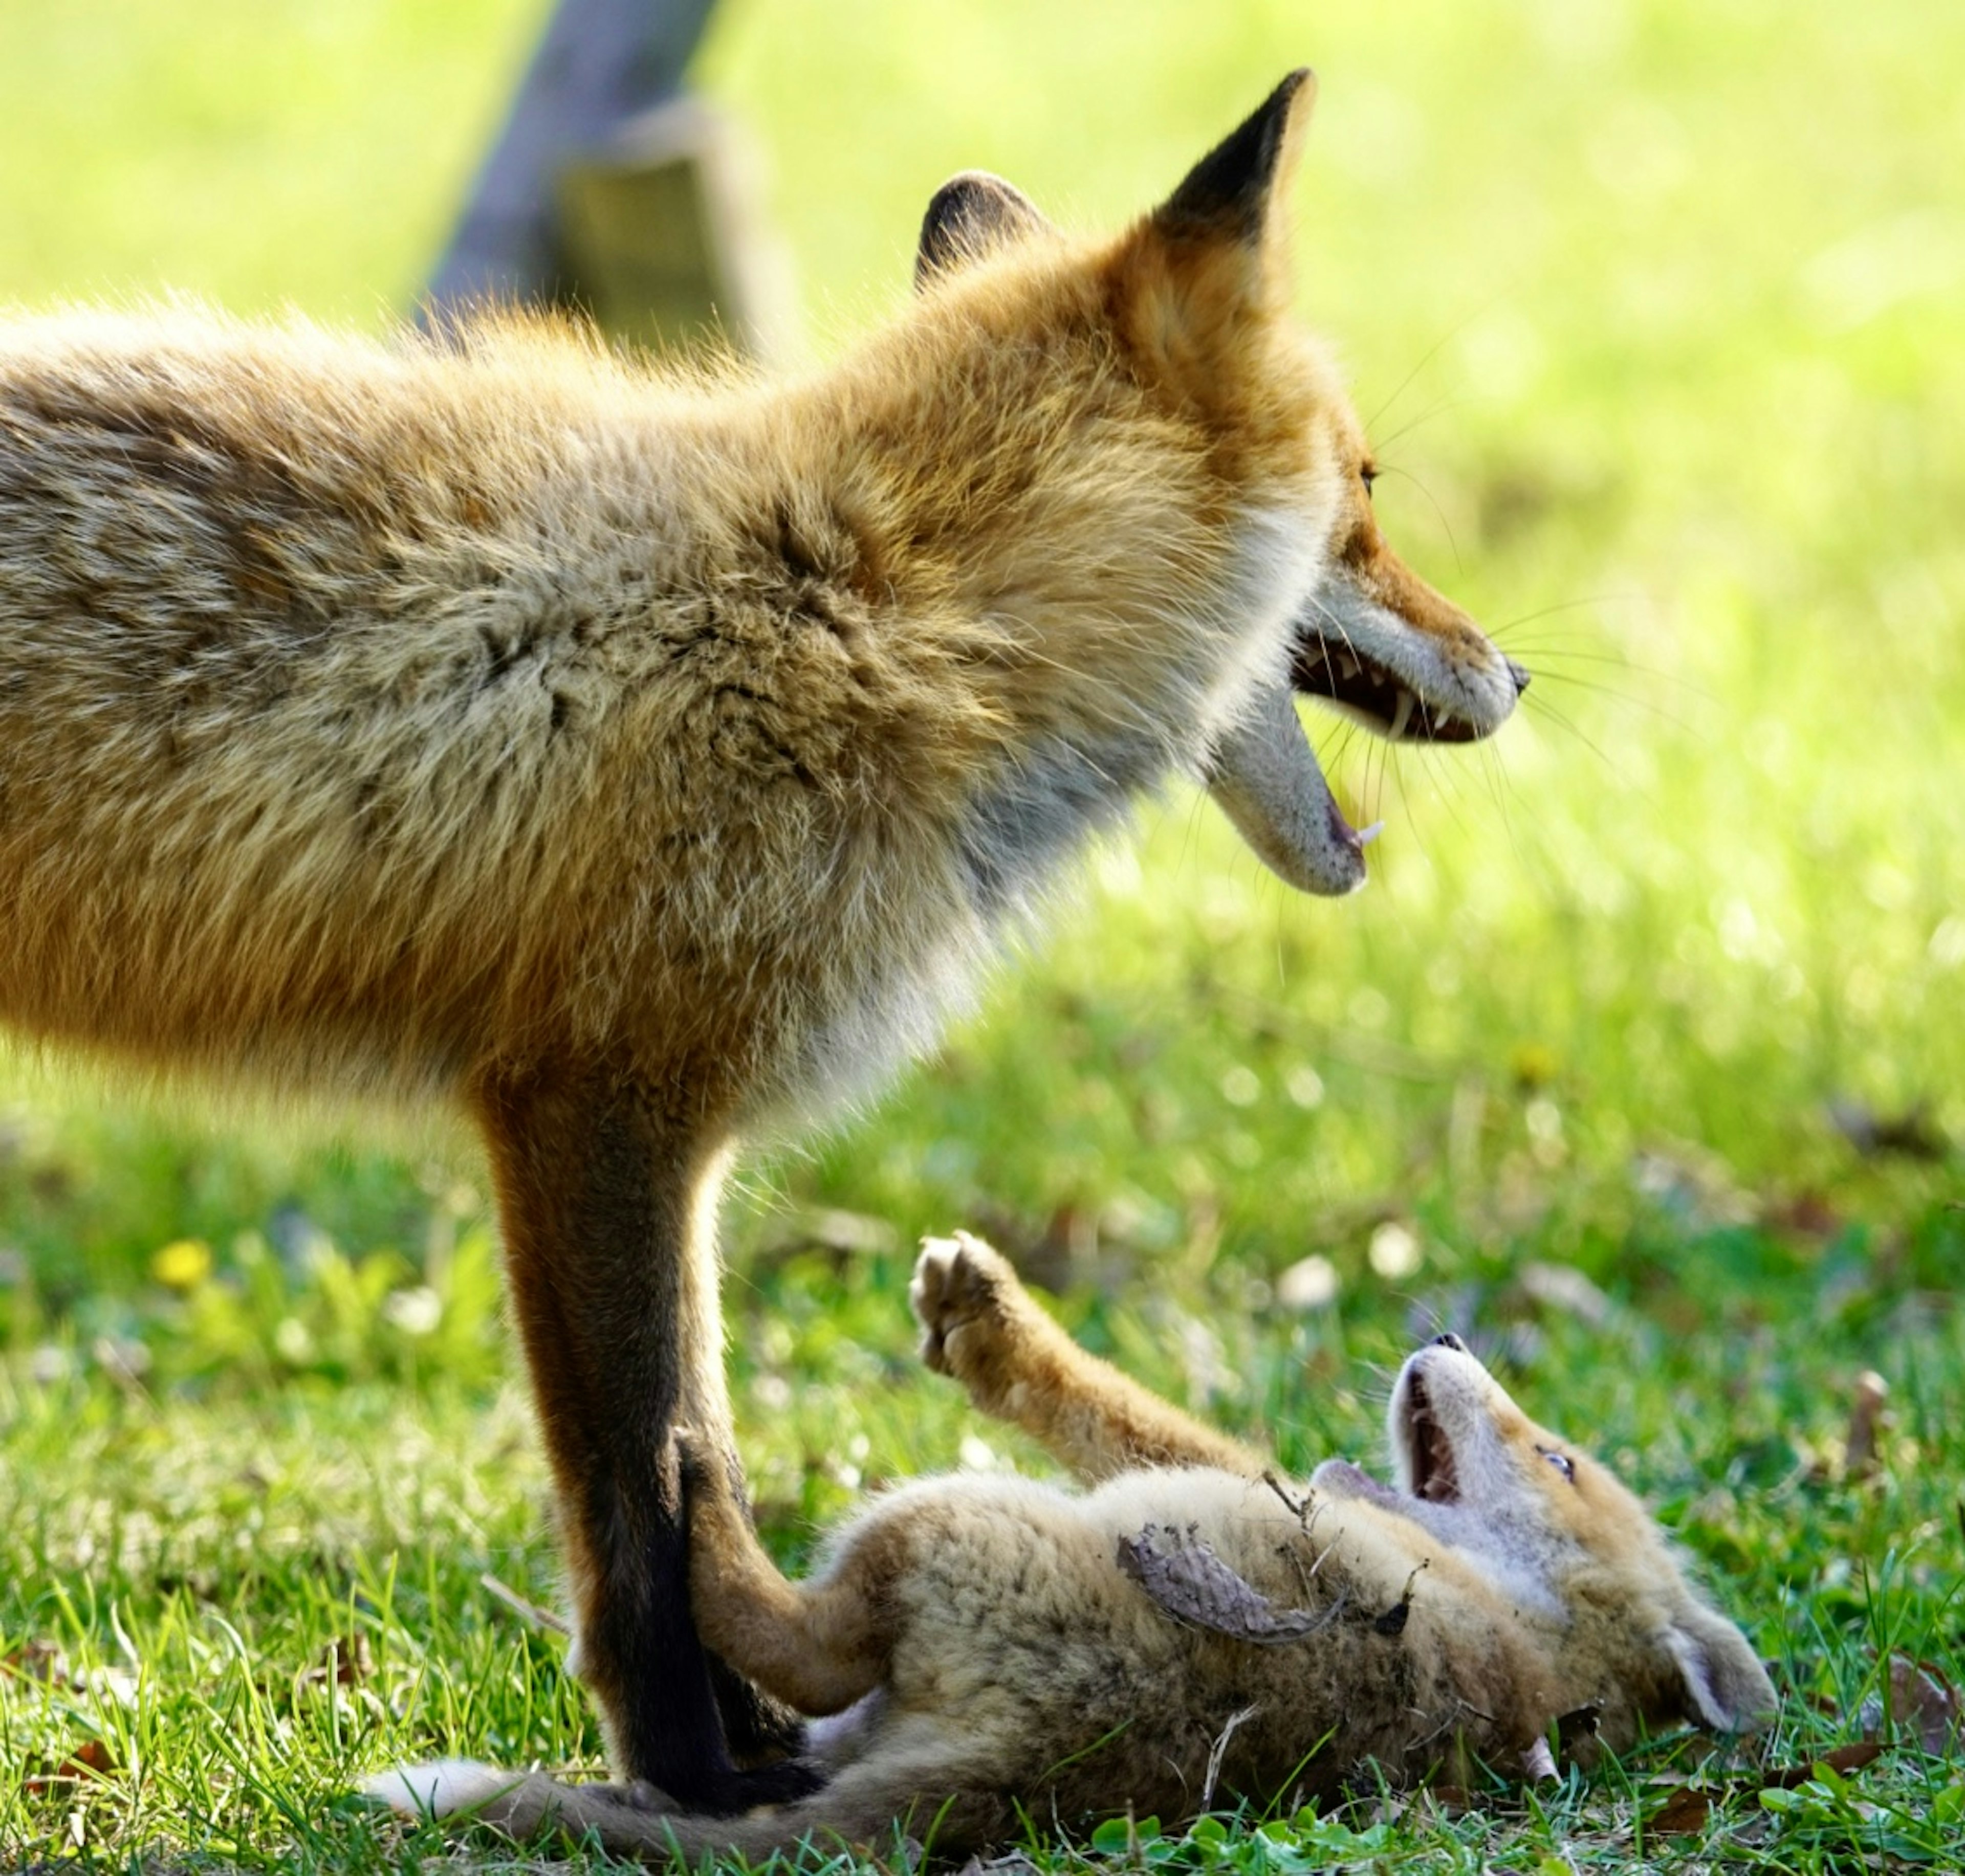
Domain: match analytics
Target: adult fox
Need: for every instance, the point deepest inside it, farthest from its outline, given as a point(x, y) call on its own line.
point(639, 757)
point(982, 1650)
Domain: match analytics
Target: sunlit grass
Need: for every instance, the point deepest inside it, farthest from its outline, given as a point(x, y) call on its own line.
point(1656, 308)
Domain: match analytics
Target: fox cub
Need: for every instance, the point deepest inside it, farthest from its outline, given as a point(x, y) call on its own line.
point(640, 759)
point(1188, 1632)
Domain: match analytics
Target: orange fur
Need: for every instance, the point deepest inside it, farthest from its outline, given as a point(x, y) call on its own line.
point(645, 759)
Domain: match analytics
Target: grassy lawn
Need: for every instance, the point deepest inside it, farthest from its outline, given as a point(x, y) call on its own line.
point(1641, 1062)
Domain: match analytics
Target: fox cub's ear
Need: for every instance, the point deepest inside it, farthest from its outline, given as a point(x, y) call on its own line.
point(1726, 1688)
point(1233, 192)
point(971, 215)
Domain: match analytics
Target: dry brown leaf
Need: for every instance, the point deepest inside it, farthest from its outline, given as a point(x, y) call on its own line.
point(1183, 1575)
point(346, 1662)
point(1910, 1132)
point(1866, 1413)
point(1924, 1707)
point(90, 1759)
point(1843, 1759)
point(46, 1663)
point(1808, 1215)
point(1685, 1812)
point(33, 1660)
point(352, 1659)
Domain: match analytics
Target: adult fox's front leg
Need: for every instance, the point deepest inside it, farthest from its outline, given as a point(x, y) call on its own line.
point(607, 1188)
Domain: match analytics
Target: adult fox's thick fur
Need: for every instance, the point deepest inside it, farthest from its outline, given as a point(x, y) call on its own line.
point(638, 757)
point(1188, 1632)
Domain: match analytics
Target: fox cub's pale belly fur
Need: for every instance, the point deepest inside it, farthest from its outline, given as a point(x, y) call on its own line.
point(634, 756)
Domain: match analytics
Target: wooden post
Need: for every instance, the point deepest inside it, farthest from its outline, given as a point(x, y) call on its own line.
point(661, 232)
point(608, 190)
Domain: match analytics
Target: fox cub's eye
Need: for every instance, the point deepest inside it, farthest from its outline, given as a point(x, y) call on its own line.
point(1561, 1461)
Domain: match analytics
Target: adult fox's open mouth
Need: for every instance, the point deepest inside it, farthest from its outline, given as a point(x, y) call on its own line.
point(1380, 647)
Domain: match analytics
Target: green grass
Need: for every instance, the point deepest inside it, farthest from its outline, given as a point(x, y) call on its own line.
point(1656, 307)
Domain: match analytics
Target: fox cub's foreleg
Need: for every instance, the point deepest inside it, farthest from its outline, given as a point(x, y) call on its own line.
point(980, 1325)
point(607, 1200)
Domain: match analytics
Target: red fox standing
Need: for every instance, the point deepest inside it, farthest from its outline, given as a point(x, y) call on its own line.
point(635, 757)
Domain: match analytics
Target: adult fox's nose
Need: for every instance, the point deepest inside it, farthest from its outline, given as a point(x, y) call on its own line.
point(1449, 1340)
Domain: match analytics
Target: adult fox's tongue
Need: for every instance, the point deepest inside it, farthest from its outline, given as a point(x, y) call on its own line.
point(1265, 778)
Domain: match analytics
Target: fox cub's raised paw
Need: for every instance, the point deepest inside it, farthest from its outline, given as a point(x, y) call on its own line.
point(971, 1306)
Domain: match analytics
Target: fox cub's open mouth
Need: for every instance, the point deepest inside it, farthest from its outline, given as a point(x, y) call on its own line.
point(1428, 1451)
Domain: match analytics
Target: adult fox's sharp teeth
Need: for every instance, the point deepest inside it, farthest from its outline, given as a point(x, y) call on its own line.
point(1347, 665)
point(1367, 835)
point(1402, 716)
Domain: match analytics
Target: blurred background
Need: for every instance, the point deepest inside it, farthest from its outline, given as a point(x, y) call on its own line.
point(1640, 1062)
point(1656, 310)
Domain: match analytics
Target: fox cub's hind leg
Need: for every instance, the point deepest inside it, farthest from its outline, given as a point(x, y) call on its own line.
point(821, 1644)
point(980, 1325)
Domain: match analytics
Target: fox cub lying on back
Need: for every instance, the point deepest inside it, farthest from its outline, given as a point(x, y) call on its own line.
point(1186, 1633)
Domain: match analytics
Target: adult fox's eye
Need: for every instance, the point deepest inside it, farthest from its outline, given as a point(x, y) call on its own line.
point(1561, 1461)
point(1367, 475)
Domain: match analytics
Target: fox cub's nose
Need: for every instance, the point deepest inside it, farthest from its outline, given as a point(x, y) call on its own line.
point(1449, 1340)
point(1519, 674)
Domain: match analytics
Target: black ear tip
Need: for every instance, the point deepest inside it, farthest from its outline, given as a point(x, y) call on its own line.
point(1227, 187)
point(961, 192)
point(967, 216)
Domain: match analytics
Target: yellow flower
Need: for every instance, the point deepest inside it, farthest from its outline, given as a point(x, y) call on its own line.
point(183, 1264)
point(1533, 1064)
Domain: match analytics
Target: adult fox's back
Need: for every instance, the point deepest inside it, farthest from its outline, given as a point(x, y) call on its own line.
point(462, 705)
point(634, 755)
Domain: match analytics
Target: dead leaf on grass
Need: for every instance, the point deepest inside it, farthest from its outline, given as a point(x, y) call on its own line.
point(1684, 1814)
point(1842, 1760)
point(91, 1759)
point(1686, 1811)
point(34, 1660)
point(1866, 1415)
point(46, 1663)
point(1911, 1131)
point(1924, 1708)
point(1807, 1214)
point(347, 1662)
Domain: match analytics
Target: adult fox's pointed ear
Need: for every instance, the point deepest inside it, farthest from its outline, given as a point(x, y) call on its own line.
point(970, 216)
point(1233, 193)
point(1214, 249)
